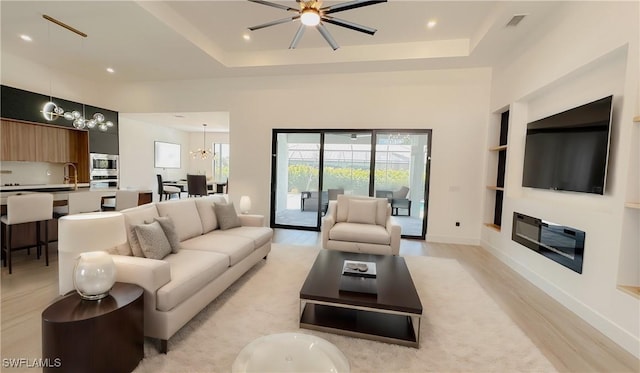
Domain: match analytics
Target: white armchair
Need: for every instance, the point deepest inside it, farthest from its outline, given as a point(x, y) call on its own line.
point(361, 225)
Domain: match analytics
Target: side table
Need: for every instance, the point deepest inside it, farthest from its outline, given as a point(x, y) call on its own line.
point(95, 336)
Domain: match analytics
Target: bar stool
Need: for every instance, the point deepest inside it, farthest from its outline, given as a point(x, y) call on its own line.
point(27, 208)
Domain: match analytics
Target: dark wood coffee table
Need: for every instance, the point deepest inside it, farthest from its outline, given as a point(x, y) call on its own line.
point(392, 316)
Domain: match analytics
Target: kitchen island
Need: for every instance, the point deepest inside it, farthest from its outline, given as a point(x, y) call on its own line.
point(61, 192)
point(24, 234)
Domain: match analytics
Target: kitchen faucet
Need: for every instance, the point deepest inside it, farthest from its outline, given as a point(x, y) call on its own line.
point(67, 177)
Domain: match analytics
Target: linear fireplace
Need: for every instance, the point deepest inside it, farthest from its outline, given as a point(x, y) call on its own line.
point(559, 243)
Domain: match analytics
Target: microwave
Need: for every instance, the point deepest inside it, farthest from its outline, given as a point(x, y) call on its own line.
point(103, 164)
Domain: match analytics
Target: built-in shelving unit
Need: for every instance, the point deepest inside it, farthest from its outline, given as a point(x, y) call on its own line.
point(633, 290)
point(497, 195)
point(629, 261)
point(498, 148)
point(492, 226)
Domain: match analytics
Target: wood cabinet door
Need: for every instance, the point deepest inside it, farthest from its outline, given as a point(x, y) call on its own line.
point(18, 141)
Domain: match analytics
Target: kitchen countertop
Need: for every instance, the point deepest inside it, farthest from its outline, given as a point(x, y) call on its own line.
point(61, 195)
point(26, 187)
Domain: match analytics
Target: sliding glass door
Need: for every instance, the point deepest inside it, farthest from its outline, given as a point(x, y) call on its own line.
point(401, 177)
point(311, 168)
point(297, 201)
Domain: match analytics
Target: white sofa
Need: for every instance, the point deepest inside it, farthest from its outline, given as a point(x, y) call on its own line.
point(179, 286)
point(362, 225)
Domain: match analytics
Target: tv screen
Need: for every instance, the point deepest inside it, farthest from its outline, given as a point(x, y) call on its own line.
point(167, 155)
point(569, 150)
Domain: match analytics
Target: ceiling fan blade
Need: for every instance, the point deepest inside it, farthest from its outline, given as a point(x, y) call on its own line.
point(349, 25)
point(297, 36)
point(349, 5)
point(273, 23)
point(327, 36)
point(275, 5)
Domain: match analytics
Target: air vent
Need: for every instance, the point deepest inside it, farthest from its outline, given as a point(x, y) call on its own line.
point(515, 20)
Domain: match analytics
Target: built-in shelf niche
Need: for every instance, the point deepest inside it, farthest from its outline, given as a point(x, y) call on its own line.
point(629, 261)
point(501, 163)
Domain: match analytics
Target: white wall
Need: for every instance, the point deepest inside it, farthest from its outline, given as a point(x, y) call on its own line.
point(427, 99)
point(591, 53)
point(454, 103)
point(137, 154)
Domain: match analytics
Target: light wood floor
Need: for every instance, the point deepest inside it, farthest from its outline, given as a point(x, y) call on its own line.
point(568, 342)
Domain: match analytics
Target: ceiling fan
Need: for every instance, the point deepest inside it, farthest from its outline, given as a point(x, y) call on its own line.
point(311, 13)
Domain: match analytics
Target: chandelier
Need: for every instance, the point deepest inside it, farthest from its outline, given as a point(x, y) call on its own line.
point(51, 111)
point(202, 153)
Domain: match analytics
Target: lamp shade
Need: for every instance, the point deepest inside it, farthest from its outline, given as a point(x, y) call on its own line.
point(245, 204)
point(81, 233)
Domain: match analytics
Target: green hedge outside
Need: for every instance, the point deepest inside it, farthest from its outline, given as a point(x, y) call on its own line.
point(305, 178)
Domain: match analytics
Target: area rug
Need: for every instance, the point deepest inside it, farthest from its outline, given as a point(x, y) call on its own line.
point(462, 330)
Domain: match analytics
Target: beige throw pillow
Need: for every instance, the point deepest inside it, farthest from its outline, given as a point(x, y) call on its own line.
point(169, 230)
point(153, 241)
point(362, 211)
point(226, 215)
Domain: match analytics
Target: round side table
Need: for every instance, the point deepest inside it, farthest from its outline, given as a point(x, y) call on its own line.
point(290, 352)
point(95, 336)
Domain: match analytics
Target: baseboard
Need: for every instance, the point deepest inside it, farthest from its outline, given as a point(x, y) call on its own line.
point(607, 327)
point(453, 240)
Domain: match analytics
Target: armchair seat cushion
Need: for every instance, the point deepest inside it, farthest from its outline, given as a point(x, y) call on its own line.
point(356, 232)
point(190, 271)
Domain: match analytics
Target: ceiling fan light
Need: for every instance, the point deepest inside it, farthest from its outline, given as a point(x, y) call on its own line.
point(310, 17)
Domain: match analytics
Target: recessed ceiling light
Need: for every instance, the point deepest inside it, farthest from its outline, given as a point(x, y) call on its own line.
point(26, 37)
point(246, 37)
point(431, 24)
point(179, 116)
point(110, 70)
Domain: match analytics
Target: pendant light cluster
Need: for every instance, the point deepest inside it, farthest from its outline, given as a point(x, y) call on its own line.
point(51, 112)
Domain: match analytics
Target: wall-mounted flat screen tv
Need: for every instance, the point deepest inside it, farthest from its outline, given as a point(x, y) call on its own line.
point(569, 150)
point(166, 155)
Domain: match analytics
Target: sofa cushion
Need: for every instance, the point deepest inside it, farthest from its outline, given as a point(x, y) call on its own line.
point(207, 216)
point(169, 230)
point(226, 215)
point(362, 211)
point(153, 241)
point(354, 232)
point(134, 216)
point(184, 215)
point(190, 272)
point(235, 247)
point(259, 235)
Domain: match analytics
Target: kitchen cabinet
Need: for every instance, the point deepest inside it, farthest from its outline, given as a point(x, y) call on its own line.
point(31, 142)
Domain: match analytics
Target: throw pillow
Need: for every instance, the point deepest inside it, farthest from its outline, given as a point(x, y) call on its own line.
point(362, 211)
point(153, 241)
point(169, 230)
point(132, 237)
point(226, 215)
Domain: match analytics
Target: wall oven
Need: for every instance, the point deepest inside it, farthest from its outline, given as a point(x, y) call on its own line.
point(103, 170)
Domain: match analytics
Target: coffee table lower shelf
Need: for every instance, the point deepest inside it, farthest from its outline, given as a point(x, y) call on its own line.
point(402, 329)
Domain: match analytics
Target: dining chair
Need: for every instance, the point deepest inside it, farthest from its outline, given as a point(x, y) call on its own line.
point(197, 185)
point(27, 208)
point(166, 190)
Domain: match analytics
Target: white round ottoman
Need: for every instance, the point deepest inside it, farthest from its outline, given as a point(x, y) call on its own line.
point(290, 352)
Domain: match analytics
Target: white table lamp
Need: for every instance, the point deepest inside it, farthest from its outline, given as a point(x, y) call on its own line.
point(84, 233)
point(245, 204)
